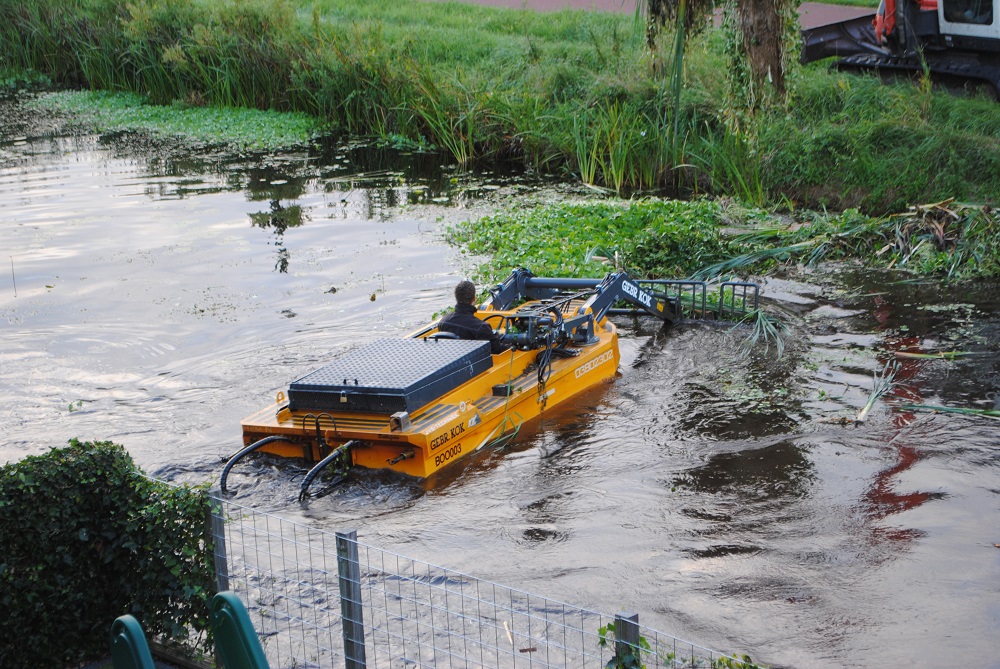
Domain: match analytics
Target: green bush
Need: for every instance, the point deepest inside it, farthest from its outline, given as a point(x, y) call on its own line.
point(86, 538)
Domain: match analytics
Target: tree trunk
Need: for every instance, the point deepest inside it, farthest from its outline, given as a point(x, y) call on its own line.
point(658, 12)
point(761, 23)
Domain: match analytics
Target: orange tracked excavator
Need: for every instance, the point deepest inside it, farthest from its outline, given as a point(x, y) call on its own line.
point(955, 41)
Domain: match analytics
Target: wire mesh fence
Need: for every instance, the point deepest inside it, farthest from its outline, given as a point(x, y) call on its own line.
point(321, 599)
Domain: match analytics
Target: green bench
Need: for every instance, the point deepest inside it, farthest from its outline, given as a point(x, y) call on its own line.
point(236, 641)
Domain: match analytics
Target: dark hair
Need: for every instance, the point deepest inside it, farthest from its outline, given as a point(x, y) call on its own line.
point(465, 292)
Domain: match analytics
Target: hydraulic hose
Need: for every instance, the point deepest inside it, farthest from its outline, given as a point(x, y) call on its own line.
point(307, 481)
point(243, 453)
point(320, 440)
point(545, 361)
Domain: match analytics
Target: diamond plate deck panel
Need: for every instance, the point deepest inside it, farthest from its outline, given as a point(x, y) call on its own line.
point(389, 375)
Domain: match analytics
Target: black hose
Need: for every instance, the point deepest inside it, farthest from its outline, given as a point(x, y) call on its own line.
point(320, 440)
point(307, 481)
point(545, 361)
point(243, 453)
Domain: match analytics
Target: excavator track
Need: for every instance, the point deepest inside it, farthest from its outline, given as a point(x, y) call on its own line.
point(950, 70)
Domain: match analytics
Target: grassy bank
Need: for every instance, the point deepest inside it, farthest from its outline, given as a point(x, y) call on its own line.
point(103, 112)
point(571, 93)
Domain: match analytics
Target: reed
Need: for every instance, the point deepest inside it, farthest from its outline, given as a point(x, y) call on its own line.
point(943, 355)
point(733, 162)
point(882, 382)
point(965, 411)
point(616, 133)
point(624, 146)
point(765, 329)
point(460, 124)
point(586, 149)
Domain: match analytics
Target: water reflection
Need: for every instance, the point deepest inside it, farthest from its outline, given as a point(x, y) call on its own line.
point(279, 219)
point(367, 180)
point(773, 475)
point(882, 500)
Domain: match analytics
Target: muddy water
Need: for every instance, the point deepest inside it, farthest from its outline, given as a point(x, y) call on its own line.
point(158, 295)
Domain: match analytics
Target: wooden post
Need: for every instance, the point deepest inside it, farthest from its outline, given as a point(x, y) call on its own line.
point(349, 570)
point(627, 639)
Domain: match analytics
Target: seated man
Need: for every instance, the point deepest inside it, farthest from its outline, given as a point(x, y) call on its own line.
point(463, 321)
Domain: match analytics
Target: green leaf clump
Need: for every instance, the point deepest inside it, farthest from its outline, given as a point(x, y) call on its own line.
point(650, 238)
point(87, 538)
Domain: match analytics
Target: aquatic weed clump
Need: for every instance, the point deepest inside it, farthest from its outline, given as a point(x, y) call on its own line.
point(707, 239)
point(662, 238)
point(946, 239)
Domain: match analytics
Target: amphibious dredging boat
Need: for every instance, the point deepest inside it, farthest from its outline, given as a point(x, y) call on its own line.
point(417, 404)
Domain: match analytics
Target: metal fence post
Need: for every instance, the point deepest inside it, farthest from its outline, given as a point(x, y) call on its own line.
point(627, 639)
point(217, 523)
point(349, 570)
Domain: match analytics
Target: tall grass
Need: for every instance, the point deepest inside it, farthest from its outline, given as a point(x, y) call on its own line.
point(566, 91)
point(624, 146)
point(734, 162)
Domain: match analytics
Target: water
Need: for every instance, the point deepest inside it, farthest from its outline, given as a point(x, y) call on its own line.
point(164, 294)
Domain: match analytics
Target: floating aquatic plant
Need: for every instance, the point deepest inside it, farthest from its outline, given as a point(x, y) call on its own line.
point(943, 355)
point(249, 128)
point(882, 383)
point(766, 329)
point(984, 413)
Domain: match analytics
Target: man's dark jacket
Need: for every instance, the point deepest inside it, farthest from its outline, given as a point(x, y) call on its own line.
point(464, 323)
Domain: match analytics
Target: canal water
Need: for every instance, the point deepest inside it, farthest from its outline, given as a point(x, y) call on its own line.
point(153, 295)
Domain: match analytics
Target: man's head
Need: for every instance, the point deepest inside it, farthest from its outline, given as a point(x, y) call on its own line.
point(465, 292)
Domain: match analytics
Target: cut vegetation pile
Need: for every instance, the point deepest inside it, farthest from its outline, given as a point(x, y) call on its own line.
point(569, 93)
point(687, 239)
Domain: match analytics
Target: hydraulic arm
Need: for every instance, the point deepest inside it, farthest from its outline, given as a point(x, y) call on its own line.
point(568, 310)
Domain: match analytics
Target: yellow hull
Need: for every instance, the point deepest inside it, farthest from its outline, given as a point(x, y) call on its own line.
point(447, 429)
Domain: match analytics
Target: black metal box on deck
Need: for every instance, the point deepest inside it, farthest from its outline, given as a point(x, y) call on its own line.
point(390, 375)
